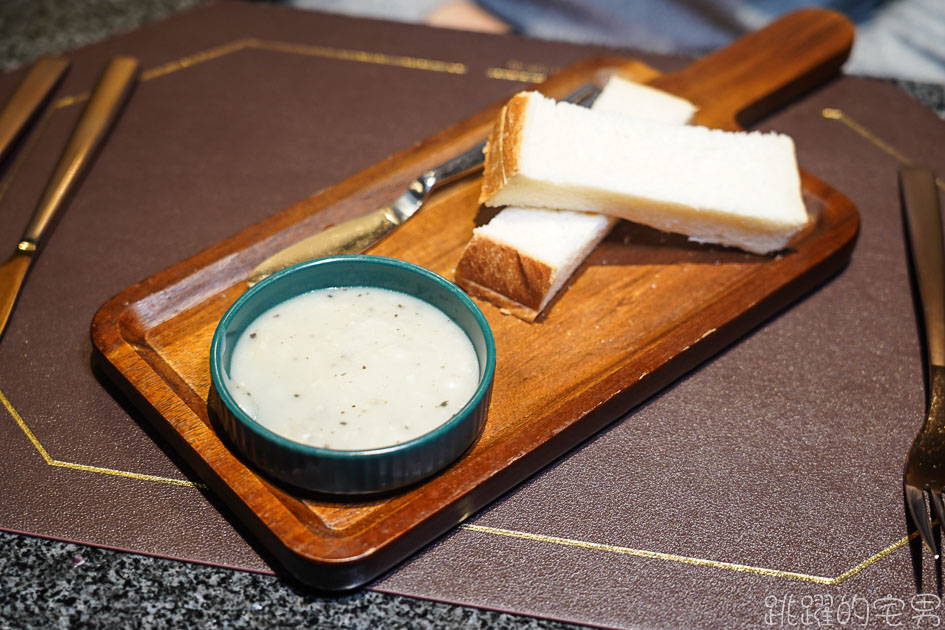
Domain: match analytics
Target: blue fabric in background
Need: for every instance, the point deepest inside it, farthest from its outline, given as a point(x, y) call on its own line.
point(895, 38)
point(901, 39)
point(690, 26)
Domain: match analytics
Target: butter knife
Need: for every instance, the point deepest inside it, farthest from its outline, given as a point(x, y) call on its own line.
point(39, 81)
point(109, 94)
point(356, 235)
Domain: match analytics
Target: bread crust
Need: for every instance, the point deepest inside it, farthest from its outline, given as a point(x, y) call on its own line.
point(504, 304)
point(503, 149)
point(504, 276)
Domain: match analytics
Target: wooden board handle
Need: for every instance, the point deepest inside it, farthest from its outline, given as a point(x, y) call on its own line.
point(764, 70)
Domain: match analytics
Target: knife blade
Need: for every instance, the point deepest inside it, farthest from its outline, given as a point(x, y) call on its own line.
point(356, 235)
point(100, 112)
point(39, 81)
point(927, 252)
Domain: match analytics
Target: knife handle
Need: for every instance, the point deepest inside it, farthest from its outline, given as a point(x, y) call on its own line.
point(109, 94)
point(924, 228)
point(463, 164)
point(42, 77)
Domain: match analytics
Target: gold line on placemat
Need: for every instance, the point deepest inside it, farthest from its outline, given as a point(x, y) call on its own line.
point(363, 56)
point(200, 57)
point(512, 74)
point(94, 469)
point(516, 70)
point(656, 555)
point(832, 113)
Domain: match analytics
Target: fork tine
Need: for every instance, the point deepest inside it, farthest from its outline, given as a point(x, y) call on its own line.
point(935, 498)
point(915, 499)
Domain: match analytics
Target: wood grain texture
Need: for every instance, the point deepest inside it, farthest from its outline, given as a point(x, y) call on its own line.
point(645, 308)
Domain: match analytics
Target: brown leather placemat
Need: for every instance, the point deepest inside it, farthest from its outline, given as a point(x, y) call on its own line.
point(242, 110)
point(770, 474)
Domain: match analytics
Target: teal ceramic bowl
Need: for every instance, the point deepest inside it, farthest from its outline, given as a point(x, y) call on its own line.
point(342, 471)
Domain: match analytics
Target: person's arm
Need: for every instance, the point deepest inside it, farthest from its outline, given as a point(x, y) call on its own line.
point(466, 15)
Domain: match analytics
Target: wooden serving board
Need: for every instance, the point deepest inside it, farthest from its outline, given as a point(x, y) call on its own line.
point(645, 308)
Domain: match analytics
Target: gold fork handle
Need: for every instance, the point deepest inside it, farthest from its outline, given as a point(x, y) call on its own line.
point(107, 97)
point(924, 224)
point(35, 87)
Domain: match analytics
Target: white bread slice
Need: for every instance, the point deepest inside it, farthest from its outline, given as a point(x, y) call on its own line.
point(731, 188)
point(522, 257)
point(635, 100)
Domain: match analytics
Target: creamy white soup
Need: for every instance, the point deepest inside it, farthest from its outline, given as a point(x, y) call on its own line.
point(353, 368)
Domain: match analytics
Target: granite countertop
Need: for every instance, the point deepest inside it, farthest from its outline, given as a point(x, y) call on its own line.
point(54, 584)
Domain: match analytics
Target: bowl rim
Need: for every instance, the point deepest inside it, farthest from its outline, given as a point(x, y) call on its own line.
point(218, 380)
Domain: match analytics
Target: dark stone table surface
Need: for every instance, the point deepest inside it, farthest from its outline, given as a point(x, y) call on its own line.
point(52, 584)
